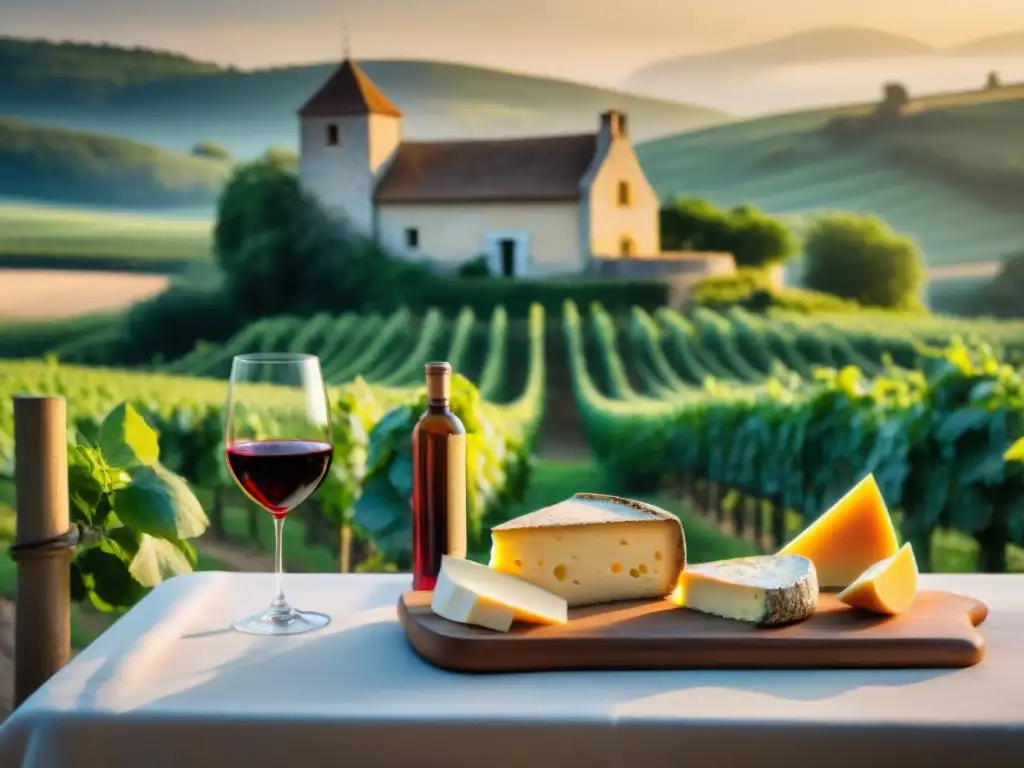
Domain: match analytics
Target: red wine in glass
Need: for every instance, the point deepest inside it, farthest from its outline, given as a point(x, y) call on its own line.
point(278, 448)
point(279, 474)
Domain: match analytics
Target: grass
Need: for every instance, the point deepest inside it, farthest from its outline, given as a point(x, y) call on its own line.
point(48, 163)
point(52, 235)
point(28, 339)
point(930, 175)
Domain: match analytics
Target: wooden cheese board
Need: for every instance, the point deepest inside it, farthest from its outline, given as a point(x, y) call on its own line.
point(938, 631)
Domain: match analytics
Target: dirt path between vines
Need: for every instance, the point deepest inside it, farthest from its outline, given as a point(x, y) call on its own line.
point(235, 556)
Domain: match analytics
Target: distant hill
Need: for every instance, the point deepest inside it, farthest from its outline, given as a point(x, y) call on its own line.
point(825, 67)
point(93, 68)
point(811, 46)
point(1004, 44)
point(248, 111)
point(948, 174)
point(61, 165)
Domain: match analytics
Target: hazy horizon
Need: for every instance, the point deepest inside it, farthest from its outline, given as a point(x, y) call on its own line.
point(539, 36)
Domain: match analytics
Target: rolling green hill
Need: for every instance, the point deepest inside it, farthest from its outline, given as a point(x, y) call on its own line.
point(75, 237)
point(180, 102)
point(27, 63)
point(950, 173)
point(61, 165)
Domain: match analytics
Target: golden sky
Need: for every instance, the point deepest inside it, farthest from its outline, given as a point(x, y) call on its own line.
point(600, 40)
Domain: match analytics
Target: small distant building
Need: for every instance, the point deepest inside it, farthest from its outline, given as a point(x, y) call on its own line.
point(540, 206)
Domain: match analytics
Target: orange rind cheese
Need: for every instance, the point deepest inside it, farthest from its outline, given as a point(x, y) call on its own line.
point(854, 534)
point(887, 587)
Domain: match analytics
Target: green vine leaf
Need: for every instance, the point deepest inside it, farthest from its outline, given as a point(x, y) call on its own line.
point(110, 585)
point(380, 509)
point(1015, 452)
point(79, 592)
point(159, 503)
point(84, 493)
point(400, 473)
point(126, 440)
point(189, 551)
point(157, 560)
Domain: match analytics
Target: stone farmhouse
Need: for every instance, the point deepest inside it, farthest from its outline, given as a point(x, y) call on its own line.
point(543, 206)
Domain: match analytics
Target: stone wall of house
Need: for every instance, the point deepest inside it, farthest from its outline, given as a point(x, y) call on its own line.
point(680, 270)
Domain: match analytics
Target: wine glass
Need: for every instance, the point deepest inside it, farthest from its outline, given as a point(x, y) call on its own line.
point(278, 448)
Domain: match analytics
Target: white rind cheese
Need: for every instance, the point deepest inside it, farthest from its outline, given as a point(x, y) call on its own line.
point(470, 593)
point(593, 548)
point(766, 589)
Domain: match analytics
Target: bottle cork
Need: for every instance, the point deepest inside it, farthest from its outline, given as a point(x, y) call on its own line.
point(439, 381)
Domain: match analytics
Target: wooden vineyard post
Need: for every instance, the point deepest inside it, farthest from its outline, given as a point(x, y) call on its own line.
point(757, 523)
point(778, 517)
point(688, 494)
point(739, 515)
point(42, 641)
point(217, 515)
point(715, 503)
point(254, 524)
point(345, 548)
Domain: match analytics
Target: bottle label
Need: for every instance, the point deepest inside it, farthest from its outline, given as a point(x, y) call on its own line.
point(456, 496)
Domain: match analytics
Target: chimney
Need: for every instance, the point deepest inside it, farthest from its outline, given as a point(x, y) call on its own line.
point(614, 125)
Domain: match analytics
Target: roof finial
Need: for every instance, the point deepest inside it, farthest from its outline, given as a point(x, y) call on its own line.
point(346, 47)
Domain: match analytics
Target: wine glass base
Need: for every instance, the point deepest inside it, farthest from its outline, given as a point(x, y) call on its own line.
point(291, 622)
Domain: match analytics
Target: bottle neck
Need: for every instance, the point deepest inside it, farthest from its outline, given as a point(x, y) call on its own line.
point(439, 390)
point(437, 406)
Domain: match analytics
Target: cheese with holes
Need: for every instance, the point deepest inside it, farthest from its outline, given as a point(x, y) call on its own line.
point(852, 535)
point(593, 548)
point(888, 587)
point(765, 589)
point(470, 593)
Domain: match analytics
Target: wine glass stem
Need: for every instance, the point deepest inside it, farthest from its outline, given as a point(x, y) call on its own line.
point(279, 604)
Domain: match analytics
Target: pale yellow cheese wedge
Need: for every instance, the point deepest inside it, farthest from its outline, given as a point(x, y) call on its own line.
point(470, 593)
point(854, 534)
point(593, 548)
point(888, 587)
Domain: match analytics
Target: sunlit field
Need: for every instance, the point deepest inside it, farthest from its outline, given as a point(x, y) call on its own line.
point(43, 232)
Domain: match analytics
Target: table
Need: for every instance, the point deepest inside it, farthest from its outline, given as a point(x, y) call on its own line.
point(171, 685)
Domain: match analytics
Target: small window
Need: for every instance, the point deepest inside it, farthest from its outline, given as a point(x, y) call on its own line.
point(332, 135)
point(626, 247)
point(412, 238)
point(623, 193)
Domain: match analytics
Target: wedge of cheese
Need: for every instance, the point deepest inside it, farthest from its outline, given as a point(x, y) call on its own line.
point(593, 548)
point(887, 587)
point(470, 593)
point(851, 536)
point(765, 589)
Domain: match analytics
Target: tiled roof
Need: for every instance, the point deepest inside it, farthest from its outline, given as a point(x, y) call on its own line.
point(348, 91)
point(505, 170)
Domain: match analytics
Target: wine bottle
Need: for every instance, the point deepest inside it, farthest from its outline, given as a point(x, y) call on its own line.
point(438, 481)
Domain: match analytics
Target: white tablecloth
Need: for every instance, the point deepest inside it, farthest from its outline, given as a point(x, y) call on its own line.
point(171, 685)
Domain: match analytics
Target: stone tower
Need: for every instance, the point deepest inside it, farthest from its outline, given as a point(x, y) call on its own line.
point(348, 132)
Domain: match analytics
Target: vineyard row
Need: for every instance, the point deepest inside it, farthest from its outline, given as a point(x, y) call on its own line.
point(785, 407)
point(933, 425)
